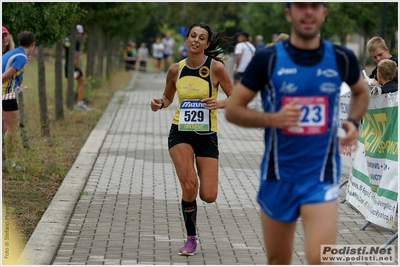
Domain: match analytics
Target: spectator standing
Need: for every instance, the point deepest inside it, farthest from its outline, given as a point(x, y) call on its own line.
point(143, 55)
point(169, 44)
point(183, 51)
point(244, 51)
point(194, 141)
point(78, 74)
point(274, 39)
point(283, 36)
point(386, 71)
point(13, 67)
point(378, 50)
point(129, 59)
point(8, 44)
point(259, 42)
point(300, 169)
point(134, 53)
point(7, 40)
point(157, 53)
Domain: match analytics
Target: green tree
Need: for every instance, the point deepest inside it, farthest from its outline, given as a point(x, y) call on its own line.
point(156, 18)
point(115, 22)
point(215, 14)
point(266, 19)
point(334, 31)
point(392, 26)
point(367, 22)
point(51, 24)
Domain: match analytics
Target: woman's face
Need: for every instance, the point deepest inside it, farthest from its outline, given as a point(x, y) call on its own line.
point(197, 39)
point(5, 39)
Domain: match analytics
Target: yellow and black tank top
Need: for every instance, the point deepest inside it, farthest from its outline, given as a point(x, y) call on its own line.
point(196, 84)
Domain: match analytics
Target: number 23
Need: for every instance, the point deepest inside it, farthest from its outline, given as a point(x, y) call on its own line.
point(311, 114)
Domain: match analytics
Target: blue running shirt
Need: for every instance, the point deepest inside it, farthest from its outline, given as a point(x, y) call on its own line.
point(308, 152)
point(17, 59)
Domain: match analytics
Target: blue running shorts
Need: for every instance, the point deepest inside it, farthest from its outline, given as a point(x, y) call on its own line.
point(282, 200)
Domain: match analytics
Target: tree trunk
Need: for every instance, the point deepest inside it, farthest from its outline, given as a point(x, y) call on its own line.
point(109, 57)
point(4, 169)
point(364, 52)
point(59, 108)
point(71, 69)
point(91, 52)
point(44, 116)
point(117, 61)
point(100, 54)
point(22, 119)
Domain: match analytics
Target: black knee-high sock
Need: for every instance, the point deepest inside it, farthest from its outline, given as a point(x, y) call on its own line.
point(189, 210)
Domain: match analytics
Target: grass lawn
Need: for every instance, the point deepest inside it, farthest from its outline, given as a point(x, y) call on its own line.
point(26, 195)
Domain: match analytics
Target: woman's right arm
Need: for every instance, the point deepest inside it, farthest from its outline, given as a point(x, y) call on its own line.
point(169, 91)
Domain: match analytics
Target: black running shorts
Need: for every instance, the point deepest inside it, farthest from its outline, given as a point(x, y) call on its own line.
point(10, 105)
point(203, 144)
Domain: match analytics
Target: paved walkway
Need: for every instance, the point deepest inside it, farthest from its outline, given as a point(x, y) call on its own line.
point(120, 203)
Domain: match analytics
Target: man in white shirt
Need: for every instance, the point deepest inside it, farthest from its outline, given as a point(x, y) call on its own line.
point(244, 51)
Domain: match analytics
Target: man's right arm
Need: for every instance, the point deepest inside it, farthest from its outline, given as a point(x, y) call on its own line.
point(237, 112)
point(238, 54)
point(238, 58)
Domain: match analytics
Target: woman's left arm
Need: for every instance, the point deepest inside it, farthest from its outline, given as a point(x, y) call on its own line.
point(221, 78)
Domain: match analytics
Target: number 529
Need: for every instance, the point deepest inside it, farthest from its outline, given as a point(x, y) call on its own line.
point(194, 116)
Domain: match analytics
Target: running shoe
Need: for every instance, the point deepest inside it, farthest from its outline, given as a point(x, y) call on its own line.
point(190, 247)
point(12, 164)
point(82, 107)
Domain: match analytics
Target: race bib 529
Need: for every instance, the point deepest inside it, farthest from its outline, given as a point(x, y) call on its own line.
point(194, 116)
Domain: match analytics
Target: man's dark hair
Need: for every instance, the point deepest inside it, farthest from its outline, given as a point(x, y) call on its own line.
point(25, 38)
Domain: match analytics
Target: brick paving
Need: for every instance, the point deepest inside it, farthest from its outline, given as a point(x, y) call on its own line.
point(128, 212)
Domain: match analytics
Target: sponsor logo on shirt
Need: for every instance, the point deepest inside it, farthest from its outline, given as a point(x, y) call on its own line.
point(284, 71)
point(288, 88)
point(204, 72)
point(328, 73)
point(197, 104)
point(328, 88)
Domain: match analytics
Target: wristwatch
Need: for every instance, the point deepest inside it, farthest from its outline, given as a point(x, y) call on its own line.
point(355, 122)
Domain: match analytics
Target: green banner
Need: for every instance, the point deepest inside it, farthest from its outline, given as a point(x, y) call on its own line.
point(373, 182)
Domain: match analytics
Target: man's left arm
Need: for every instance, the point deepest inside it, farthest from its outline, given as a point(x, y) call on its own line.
point(18, 63)
point(8, 74)
point(359, 101)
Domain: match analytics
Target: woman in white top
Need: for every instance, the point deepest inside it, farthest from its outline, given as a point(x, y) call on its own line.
point(169, 44)
point(157, 53)
point(143, 55)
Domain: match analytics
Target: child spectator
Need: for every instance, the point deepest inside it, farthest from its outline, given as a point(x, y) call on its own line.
point(386, 71)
